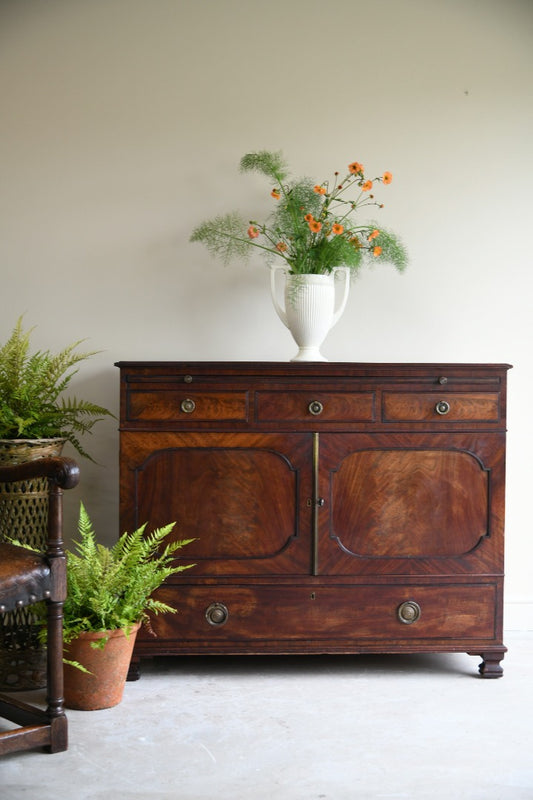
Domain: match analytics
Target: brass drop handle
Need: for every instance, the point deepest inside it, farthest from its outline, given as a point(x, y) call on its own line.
point(217, 614)
point(188, 406)
point(442, 407)
point(409, 612)
point(315, 408)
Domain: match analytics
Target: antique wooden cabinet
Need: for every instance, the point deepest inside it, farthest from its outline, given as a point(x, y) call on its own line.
point(337, 507)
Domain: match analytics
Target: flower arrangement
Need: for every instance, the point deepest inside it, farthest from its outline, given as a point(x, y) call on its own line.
point(313, 226)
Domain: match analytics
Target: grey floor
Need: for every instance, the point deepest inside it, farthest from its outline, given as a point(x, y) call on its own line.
point(296, 728)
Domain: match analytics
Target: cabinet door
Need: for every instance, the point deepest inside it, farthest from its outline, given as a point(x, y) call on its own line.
point(243, 497)
point(410, 504)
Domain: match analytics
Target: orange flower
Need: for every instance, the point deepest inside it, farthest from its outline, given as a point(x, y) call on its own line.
point(309, 218)
point(315, 226)
point(281, 247)
point(355, 167)
point(367, 185)
point(319, 190)
point(373, 235)
point(252, 231)
point(275, 193)
point(387, 177)
point(337, 228)
point(377, 251)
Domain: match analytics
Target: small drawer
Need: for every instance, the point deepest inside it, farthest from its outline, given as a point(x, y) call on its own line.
point(184, 406)
point(314, 407)
point(443, 407)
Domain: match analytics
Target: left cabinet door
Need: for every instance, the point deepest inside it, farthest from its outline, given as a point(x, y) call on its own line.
point(243, 497)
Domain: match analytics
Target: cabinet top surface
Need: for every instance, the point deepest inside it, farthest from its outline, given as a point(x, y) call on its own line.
point(327, 367)
point(248, 370)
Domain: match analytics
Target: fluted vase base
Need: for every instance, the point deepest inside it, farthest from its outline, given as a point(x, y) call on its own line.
point(309, 309)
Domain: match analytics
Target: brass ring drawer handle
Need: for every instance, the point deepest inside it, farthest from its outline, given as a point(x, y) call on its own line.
point(409, 612)
point(217, 614)
point(188, 406)
point(315, 408)
point(442, 407)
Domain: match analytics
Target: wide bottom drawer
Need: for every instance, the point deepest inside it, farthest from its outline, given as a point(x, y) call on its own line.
point(273, 613)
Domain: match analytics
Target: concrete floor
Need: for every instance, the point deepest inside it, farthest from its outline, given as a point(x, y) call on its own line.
point(297, 728)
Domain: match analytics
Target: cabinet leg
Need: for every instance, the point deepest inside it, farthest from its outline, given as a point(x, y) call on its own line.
point(490, 667)
point(134, 671)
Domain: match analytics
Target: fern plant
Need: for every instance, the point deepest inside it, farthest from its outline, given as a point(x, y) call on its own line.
point(32, 405)
point(110, 588)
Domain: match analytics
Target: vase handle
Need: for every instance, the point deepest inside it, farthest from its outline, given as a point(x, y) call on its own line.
point(279, 310)
point(346, 275)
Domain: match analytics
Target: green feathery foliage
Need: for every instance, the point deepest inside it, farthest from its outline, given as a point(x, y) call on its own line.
point(31, 387)
point(225, 237)
point(271, 164)
point(392, 249)
point(110, 588)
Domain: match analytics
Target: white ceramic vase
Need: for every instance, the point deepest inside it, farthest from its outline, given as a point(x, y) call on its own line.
point(309, 310)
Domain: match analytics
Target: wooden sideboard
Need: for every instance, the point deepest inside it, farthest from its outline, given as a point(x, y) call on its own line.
point(337, 507)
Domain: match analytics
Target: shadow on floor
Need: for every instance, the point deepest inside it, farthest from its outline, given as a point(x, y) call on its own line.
point(340, 665)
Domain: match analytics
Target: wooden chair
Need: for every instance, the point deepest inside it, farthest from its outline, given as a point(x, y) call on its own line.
point(27, 577)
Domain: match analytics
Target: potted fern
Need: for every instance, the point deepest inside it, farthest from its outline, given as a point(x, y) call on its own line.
point(36, 420)
point(33, 408)
point(110, 594)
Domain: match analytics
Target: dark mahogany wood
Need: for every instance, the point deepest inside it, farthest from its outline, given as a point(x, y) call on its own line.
point(337, 508)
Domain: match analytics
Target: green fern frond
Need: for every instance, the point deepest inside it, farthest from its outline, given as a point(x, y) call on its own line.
point(32, 405)
point(112, 588)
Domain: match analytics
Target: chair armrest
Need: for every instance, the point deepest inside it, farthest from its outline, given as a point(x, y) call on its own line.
point(62, 471)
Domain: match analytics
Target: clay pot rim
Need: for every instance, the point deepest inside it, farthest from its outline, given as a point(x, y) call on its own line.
point(110, 634)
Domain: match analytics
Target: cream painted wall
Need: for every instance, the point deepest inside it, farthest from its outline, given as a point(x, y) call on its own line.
point(122, 125)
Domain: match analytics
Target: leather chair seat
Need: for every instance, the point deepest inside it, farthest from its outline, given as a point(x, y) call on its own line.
point(24, 577)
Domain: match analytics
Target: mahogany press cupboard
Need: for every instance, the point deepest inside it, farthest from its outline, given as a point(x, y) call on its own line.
point(336, 507)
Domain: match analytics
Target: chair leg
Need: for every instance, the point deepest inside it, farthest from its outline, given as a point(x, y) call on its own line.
point(55, 710)
point(58, 735)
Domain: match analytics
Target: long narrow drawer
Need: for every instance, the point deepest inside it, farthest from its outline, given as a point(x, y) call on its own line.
point(316, 406)
point(444, 407)
point(288, 613)
point(186, 405)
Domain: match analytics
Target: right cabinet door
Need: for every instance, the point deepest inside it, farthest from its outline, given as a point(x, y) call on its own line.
point(410, 504)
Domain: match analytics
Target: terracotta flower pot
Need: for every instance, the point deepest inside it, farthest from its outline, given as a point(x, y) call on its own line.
point(104, 687)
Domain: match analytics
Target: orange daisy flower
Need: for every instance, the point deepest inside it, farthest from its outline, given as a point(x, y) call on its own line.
point(387, 177)
point(319, 190)
point(377, 251)
point(373, 235)
point(367, 185)
point(337, 228)
point(315, 226)
point(275, 193)
point(309, 218)
point(252, 232)
point(355, 167)
point(281, 247)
